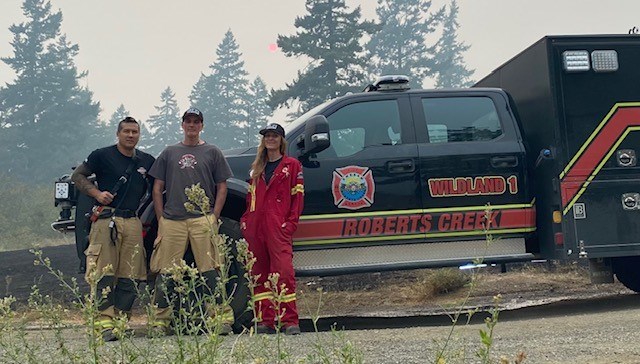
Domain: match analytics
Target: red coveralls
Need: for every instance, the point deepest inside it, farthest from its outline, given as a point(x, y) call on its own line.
point(270, 219)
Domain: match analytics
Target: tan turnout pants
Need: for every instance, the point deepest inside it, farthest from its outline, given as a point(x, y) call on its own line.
point(124, 259)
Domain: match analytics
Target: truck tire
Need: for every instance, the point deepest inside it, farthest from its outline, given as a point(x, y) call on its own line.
point(627, 270)
point(238, 283)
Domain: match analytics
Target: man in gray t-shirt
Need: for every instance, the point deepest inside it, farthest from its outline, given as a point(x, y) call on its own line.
point(180, 166)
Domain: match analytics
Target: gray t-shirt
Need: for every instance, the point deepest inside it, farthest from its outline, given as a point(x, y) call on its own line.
point(181, 166)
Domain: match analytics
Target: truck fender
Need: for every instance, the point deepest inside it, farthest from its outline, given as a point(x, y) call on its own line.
point(236, 198)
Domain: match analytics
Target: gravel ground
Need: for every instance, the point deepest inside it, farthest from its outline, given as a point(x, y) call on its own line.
point(583, 334)
point(555, 336)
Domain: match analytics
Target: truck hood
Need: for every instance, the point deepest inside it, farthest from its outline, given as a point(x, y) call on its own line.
point(239, 151)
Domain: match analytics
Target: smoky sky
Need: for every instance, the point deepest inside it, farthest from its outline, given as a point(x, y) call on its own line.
point(134, 49)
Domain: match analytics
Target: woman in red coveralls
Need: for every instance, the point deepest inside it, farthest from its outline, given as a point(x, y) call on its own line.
point(274, 205)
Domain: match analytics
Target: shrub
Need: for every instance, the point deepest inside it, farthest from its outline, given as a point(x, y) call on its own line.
point(25, 214)
point(442, 281)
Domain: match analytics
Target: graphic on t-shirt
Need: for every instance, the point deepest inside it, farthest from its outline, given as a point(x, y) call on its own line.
point(187, 161)
point(142, 171)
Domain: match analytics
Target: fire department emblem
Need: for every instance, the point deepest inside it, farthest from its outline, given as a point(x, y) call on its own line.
point(187, 161)
point(353, 187)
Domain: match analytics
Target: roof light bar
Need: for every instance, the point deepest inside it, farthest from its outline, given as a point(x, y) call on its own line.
point(390, 82)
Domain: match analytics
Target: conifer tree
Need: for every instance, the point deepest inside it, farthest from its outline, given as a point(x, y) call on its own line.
point(400, 46)
point(49, 117)
point(106, 132)
point(449, 64)
point(258, 112)
point(222, 94)
point(146, 138)
point(165, 124)
point(330, 36)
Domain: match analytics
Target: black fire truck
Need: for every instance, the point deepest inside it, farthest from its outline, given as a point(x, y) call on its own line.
point(542, 152)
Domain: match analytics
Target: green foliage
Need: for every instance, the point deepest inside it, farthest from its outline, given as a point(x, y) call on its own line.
point(486, 336)
point(444, 280)
point(330, 37)
point(164, 125)
point(448, 62)
point(48, 117)
point(258, 112)
point(117, 116)
point(25, 214)
point(222, 96)
point(196, 336)
point(400, 47)
point(106, 133)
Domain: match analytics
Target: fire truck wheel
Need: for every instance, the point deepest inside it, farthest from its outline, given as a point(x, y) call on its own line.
point(237, 285)
point(627, 271)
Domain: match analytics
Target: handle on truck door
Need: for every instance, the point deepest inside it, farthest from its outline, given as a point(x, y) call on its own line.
point(504, 161)
point(401, 166)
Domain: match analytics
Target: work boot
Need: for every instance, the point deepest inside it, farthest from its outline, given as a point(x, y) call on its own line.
point(159, 328)
point(292, 330)
point(108, 335)
point(225, 329)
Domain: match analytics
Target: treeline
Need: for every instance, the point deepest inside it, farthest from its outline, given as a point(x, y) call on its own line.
point(49, 121)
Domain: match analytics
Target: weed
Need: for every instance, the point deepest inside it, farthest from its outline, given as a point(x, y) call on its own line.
point(442, 281)
point(196, 337)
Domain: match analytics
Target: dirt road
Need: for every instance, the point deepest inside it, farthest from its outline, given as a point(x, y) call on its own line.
point(586, 324)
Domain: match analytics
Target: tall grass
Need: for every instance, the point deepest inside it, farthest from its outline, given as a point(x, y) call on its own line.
point(196, 337)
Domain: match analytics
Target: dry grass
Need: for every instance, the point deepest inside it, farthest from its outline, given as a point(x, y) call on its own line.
point(415, 290)
point(436, 282)
point(425, 290)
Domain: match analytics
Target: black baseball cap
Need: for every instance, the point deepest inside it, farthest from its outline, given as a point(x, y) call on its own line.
point(193, 111)
point(276, 128)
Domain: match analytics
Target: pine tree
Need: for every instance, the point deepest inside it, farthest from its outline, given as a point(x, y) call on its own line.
point(165, 124)
point(330, 36)
point(449, 64)
point(117, 116)
point(258, 112)
point(146, 138)
point(105, 133)
point(400, 47)
point(50, 116)
point(221, 96)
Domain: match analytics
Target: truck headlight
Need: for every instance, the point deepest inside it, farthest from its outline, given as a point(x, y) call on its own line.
point(62, 191)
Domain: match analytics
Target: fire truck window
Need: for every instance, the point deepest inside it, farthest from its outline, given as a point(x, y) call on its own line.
point(365, 124)
point(461, 119)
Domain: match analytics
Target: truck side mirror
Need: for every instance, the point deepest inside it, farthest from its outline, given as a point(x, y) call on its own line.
point(316, 136)
point(545, 154)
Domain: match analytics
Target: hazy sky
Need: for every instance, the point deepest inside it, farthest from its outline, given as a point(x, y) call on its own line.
point(133, 49)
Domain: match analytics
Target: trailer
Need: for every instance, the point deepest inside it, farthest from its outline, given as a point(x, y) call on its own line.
point(578, 101)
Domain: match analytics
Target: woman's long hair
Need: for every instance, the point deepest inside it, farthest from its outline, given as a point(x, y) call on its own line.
point(258, 165)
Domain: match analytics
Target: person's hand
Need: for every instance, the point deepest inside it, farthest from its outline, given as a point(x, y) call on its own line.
point(104, 197)
point(243, 225)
